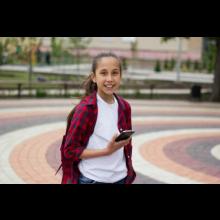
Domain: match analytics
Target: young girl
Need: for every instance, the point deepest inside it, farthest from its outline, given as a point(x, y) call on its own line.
point(90, 153)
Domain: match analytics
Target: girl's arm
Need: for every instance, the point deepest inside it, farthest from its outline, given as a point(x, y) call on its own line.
point(111, 148)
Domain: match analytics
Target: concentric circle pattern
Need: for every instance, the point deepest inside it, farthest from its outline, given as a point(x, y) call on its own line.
point(175, 142)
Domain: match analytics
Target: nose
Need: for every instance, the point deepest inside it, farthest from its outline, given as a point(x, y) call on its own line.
point(109, 78)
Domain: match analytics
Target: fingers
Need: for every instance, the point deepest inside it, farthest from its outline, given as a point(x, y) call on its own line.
point(125, 142)
point(114, 137)
point(118, 144)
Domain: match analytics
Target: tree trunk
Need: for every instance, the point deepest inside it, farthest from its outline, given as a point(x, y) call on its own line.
point(216, 85)
point(30, 72)
point(78, 60)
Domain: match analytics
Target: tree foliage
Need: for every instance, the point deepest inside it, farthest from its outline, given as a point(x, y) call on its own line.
point(216, 84)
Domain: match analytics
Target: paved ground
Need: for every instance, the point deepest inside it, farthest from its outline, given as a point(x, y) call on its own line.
point(175, 142)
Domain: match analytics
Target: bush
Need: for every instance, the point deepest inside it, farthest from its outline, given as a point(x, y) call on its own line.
point(169, 64)
point(41, 93)
point(137, 93)
point(166, 65)
point(172, 64)
point(1, 54)
point(183, 67)
point(157, 67)
point(124, 64)
point(188, 64)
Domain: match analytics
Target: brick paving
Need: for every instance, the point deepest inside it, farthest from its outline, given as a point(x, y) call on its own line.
point(172, 144)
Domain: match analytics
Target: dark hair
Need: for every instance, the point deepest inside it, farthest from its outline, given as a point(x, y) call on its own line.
point(88, 84)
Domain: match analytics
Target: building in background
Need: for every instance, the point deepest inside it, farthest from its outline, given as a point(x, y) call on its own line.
point(146, 52)
point(140, 51)
point(148, 48)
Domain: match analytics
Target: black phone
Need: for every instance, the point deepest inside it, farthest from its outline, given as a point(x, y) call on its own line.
point(124, 135)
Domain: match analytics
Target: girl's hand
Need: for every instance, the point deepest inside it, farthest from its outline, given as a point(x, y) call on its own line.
point(114, 146)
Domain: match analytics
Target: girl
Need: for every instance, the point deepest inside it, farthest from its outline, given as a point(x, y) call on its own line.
point(90, 154)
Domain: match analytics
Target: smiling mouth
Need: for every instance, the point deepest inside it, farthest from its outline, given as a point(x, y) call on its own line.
point(109, 86)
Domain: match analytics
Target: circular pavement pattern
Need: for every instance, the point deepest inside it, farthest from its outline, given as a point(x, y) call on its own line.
point(175, 142)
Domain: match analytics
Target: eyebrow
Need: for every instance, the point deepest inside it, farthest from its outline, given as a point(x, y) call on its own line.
point(112, 70)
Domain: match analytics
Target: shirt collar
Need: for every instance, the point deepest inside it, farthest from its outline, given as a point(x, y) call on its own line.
point(92, 100)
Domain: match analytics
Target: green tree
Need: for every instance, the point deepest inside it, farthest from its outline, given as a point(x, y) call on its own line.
point(134, 49)
point(28, 46)
point(79, 44)
point(57, 47)
point(215, 97)
point(7, 46)
point(209, 56)
point(1, 53)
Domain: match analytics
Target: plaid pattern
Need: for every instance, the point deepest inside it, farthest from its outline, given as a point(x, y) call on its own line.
point(80, 130)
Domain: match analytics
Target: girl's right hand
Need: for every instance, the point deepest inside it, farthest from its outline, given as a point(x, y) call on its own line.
point(114, 146)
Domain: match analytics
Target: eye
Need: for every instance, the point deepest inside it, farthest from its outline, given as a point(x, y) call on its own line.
point(115, 73)
point(103, 73)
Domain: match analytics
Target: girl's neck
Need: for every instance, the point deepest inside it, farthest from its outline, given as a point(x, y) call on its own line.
point(107, 98)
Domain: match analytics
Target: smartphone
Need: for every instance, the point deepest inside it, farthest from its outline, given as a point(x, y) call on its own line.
point(124, 135)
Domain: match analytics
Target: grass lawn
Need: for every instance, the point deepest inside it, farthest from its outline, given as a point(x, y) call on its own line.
point(22, 77)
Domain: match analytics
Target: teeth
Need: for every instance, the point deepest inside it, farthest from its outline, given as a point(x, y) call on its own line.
point(109, 86)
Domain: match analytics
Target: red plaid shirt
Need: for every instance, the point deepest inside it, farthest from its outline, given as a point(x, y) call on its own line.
point(80, 130)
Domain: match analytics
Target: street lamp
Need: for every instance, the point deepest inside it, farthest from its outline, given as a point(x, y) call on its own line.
point(30, 70)
point(133, 47)
point(178, 65)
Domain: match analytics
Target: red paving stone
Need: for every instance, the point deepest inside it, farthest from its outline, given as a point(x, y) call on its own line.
point(178, 152)
point(153, 151)
point(28, 159)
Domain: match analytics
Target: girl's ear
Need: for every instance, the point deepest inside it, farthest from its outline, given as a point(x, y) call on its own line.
point(93, 77)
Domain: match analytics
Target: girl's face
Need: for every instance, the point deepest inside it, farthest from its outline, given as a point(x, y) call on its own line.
point(107, 77)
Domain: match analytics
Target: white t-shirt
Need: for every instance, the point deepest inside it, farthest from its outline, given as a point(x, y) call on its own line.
point(111, 168)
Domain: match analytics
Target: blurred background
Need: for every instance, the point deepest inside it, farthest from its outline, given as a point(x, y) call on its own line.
point(153, 67)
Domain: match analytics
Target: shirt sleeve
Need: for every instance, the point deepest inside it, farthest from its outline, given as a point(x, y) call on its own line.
point(76, 135)
point(129, 117)
point(129, 126)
